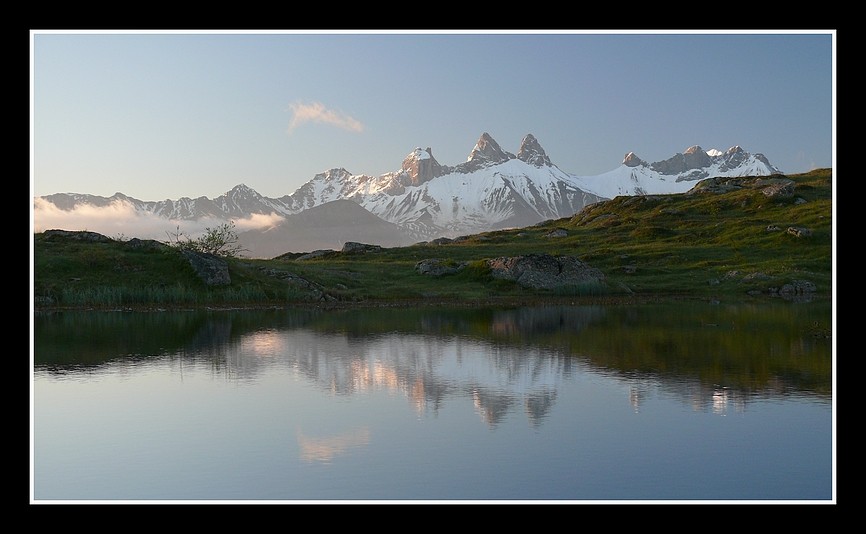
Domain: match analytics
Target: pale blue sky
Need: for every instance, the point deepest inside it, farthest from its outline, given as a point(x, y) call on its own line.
point(159, 116)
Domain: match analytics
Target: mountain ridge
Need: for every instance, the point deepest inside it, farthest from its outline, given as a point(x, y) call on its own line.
point(492, 189)
point(728, 238)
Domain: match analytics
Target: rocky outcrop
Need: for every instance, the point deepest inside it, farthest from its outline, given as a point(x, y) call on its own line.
point(77, 236)
point(438, 267)
point(797, 288)
point(557, 232)
point(782, 188)
point(146, 244)
point(775, 186)
point(352, 247)
point(313, 291)
point(315, 254)
point(797, 231)
point(533, 271)
point(543, 271)
point(213, 270)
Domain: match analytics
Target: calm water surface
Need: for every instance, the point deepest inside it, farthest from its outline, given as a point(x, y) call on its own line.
point(663, 402)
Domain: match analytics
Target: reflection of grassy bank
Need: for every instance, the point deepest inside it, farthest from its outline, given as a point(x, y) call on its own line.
point(774, 347)
point(96, 337)
point(710, 245)
point(766, 346)
point(753, 349)
point(85, 339)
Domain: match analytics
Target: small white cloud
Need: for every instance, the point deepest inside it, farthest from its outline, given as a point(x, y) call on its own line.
point(317, 112)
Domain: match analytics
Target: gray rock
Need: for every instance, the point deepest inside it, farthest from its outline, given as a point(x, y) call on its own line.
point(779, 189)
point(213, 270)
point(557, 232)
point(797, 287)
point(78, 235)
point(438, 267)
point(773, 186)
point(543, 271)
point(314, 291)
point(315, 254)
point(352, 247)
point(799, 232)
point(146, 244)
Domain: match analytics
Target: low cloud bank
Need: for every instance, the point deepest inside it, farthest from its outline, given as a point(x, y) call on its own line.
point(120, 220)
point(258, 221)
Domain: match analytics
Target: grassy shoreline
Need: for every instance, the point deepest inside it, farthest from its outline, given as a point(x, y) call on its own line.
point(720, 245)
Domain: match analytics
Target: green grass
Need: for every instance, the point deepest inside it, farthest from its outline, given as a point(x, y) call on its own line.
point(703, 245)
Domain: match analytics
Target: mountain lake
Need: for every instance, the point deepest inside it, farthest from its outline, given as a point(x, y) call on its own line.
point(568, 403)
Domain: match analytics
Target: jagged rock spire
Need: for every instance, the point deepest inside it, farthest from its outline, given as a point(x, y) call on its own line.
point(693, 157)
point(488, 151)
point(632, 160)
point(420, 166)
point(532, 153)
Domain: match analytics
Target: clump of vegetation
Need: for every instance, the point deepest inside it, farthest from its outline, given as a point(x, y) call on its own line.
point(220, 241)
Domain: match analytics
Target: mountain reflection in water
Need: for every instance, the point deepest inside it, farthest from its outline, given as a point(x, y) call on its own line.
point(711, 357)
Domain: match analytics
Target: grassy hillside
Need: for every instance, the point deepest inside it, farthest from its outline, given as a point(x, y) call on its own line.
point(733, 244)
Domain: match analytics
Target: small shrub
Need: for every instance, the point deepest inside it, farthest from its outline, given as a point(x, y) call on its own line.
point(219, 241)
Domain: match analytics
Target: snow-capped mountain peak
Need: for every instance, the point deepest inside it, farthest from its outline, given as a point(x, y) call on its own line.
point(492, 189)
point(677, 174)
